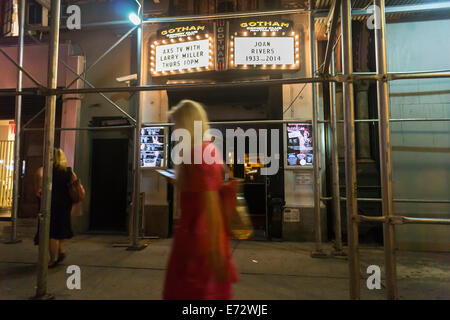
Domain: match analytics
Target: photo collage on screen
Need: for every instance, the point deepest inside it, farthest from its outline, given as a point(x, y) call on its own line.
point(299, 144)
point(152, 147)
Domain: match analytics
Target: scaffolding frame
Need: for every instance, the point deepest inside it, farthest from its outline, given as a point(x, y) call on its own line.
point(347, 78)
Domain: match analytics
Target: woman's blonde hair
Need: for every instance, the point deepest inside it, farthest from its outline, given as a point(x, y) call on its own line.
point(59, 159)
point(185, 113)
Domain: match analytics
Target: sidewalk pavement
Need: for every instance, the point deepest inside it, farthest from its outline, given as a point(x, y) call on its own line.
point(269, 270)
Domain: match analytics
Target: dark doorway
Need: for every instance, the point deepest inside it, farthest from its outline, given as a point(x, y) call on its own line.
point(109, 185)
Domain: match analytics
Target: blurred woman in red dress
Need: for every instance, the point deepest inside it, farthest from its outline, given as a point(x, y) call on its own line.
point(200, 266)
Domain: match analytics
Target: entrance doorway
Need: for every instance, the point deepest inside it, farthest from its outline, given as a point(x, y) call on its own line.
point(109, 170)
point(262, 193)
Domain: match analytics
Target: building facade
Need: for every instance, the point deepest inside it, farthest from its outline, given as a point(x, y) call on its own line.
point(281, 205)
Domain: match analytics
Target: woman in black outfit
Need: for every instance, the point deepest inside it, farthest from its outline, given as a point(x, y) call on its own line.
point(60, 219)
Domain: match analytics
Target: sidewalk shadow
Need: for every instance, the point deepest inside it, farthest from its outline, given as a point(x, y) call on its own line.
point(14, 271)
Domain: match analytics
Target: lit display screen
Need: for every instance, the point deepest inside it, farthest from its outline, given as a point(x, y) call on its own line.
point(152, 147)
point(299, 144)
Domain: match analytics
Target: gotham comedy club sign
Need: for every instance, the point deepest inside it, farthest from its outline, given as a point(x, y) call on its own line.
point(245, 44)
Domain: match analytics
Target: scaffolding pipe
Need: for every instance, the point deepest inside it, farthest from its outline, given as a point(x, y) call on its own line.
point(102, 56)
point(421, 201)
point(80, 76)
point(17, 135)
point(134, 217)
point(231, 84)
point(330, 47)
point(350, 155)
point(21, 69)
point(221, 16)
point(83, 128)
point(115, 105)
point(409, 220)
point(335, 161)
point(401, 120)
point(385, 152)
point(395, 200)
point(316, 169)
point(399, 220)
point(49, 139)
point(169, 124)
point(34, 117)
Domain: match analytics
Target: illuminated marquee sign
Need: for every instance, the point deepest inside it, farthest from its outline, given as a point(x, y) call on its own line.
point(182, 49)
point(264, 44)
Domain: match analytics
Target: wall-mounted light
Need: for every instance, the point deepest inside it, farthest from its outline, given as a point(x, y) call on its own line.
point(134, 19)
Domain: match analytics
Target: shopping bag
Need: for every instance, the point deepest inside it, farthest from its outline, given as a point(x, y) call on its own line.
point(235, 210)
point(241, 224)
point(77, 209)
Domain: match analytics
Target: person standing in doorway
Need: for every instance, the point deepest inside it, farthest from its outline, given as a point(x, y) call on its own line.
point(200, 266)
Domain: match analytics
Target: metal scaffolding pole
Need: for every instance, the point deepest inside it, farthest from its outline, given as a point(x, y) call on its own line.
point(350, 155)
point(25, 72)
point(229, 84)
point(49, 139)
point(17, 136)
point(334, 13)
point(385, 152)
point(335, 164)
point(102, 56)
point(316, 166)
point(80, 76)
point(134, 216)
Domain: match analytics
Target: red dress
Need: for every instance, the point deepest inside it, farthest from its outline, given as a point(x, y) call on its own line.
point(188, 275)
